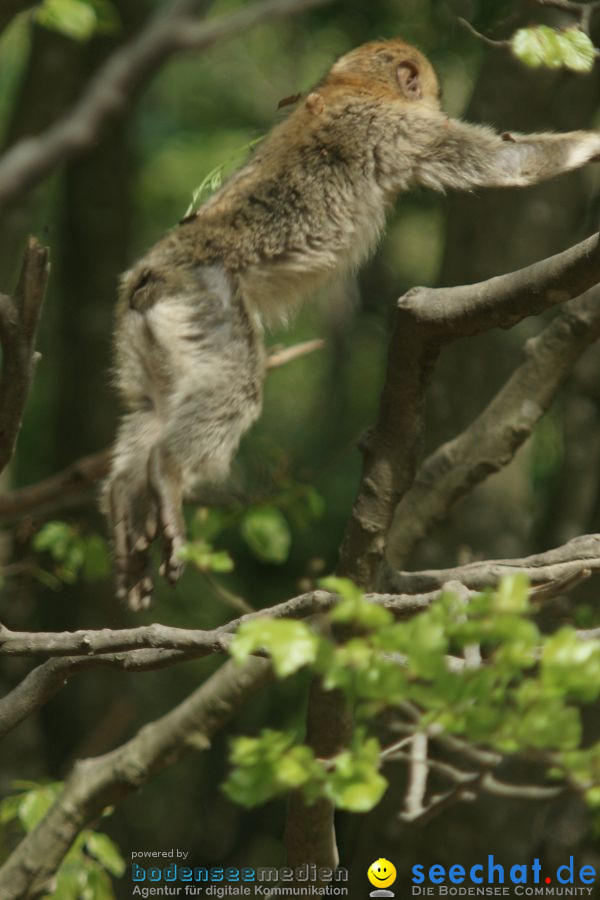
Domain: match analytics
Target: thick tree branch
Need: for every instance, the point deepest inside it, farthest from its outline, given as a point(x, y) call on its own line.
point(19, 318)
point(501, 302)
point(492, 440)
point(112, 89)
point(90, 643)
point(47, 679)
point(426, 320)
point(97, 783)
point(310, 828)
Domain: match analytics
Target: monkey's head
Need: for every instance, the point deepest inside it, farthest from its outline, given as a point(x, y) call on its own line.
point(394, 66)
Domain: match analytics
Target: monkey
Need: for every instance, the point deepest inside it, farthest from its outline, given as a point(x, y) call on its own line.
point(310, 202)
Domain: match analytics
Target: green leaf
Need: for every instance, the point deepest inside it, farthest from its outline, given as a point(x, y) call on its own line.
point(592, 797)
point(571, 666)
point(213, 180)
point(106, 852)
point(71, 883)
point(96, 558)
point(355, 783)
point(9, 808)
point(583, 766)
point(353, 607)
point(55, 538)
point(99, 884)
point(512, 594)
point(346, 589)
point(202, 555)
point(76, 553)
point(578, 50)
point(269, 765)
point(35, 804)
point(315, 502)
point(425, 644)
point(74, 18)
point(290, 644)
point(570, 48)
point(267, 533)
point(207, 524)
point(107, 17)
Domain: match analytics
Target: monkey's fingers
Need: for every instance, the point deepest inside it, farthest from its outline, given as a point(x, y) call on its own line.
point(171, 526)
point(132, 560)
point(139, 595)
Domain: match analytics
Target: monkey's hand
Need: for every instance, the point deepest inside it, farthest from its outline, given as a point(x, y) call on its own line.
point(138, 516)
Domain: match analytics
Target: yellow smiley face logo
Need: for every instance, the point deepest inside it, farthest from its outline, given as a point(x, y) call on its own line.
point(382, 873)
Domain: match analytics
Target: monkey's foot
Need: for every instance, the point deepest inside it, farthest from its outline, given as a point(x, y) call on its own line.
point(134, 528)
point(165, 487)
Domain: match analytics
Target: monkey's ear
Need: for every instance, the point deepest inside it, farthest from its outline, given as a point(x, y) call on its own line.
point(315, 103)
point(409, 79)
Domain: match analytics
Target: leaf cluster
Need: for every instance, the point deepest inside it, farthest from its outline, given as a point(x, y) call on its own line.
point(85, 873)
point(522, 695)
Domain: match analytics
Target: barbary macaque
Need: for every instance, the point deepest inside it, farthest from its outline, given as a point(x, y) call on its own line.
point(310, 202)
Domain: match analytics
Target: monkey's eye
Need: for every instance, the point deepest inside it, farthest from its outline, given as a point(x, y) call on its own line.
point(409, 79)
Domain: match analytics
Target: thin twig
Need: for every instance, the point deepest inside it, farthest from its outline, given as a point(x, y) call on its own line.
point(417, 775)
point(490, 42)
point(286, 355)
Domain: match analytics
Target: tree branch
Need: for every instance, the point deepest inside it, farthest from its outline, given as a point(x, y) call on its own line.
point(63, 490)
point(466, 783)
point(111, 90)
point(47, 679)
point(490, 42)
point(426, 320)
point(580, 554)
point(418, 774)
point(91, 643)
point(285, 355)
point(97, 783)
point(19, 318)
point(501, 302)
point(582, 11)
point(492, 440)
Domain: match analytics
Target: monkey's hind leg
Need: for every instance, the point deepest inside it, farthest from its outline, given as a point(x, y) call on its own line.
point(130, 507)
point(164, 483)
point(215, 398)
point(193, 359)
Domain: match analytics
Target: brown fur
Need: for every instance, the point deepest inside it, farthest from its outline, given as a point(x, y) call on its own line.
point(310, 202)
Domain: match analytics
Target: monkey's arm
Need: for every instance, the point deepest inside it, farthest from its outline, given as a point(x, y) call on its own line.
point(463, 156)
